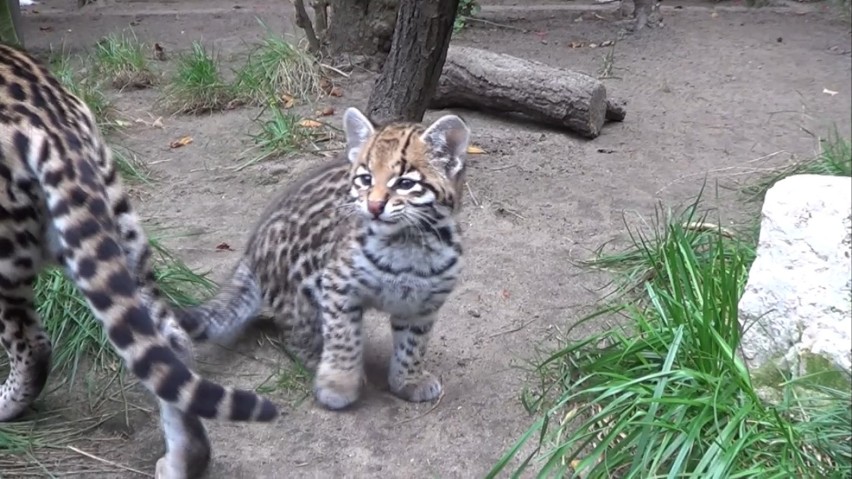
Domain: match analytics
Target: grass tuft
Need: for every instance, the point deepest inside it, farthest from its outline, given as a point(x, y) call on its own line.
point(281, 134)
point(278, 69)
point(38, 446)
point(290, 378)
point(121, 60)
point(197, 85)
point(132, 169)
point(834, 158)
point(667, 395)
point(86, 87)
point(642, 263)
point(465, 10)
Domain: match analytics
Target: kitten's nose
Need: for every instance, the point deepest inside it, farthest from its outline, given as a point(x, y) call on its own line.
point(376, 207)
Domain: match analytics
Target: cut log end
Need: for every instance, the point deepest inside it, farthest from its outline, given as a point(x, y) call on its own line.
point(616, 110)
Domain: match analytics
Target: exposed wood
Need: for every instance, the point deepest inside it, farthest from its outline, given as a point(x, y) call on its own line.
point(303, 21)
point(360, 27)
point(616, 110)
point(320, 18)
point(479, 79)
point(411, 71)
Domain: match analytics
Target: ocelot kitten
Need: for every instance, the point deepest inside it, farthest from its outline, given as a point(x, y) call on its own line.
point(61, 202)
point(374, 230)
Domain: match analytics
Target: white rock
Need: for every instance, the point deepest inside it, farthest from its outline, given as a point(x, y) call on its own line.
point(798, 299)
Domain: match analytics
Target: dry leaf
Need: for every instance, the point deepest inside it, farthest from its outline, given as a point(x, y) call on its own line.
point(289, 100)
point(224, 247)
point(336, 91)
point(159, 52)
point(829, 92)
point(310, 123)
point(327, 111)
point(181, 142)
point(474, 150)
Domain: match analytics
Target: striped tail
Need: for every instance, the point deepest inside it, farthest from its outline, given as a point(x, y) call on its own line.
point(223, 317)
point(94, 260)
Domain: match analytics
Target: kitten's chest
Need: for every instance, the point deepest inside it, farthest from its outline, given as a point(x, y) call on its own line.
point(405, 280)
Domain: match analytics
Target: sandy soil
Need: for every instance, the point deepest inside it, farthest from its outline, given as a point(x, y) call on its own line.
point(714, 94)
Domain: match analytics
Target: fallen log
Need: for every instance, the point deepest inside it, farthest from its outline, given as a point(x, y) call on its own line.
point(483, 80)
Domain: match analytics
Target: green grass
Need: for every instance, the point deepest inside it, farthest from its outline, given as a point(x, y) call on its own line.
point(132, 169)
point(197, 85)
point(278, 69)
point(466, 8)
point(667, 395)
point(642, 263)
point(86, 87)
point(834, 158)
point(24, 444)
point(121, 60)
point(280, 134)
point(290, 377)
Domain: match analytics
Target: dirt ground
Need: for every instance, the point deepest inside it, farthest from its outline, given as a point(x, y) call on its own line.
point(719, 92)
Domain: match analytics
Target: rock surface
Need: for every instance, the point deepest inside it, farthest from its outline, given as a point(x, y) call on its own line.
point(797, 307)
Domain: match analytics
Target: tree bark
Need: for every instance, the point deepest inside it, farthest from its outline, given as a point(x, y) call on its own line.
point(303, 21)
point(479, 79)
point(361, 27)
point(411, 71)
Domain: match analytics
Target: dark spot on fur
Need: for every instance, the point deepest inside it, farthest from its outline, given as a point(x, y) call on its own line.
point(86, 268)
point(16, 91)
point(100, 300)
point(176, 378)
point(121, 284)
point(120, 335)
point(206, 400)
point(243, 405)
point(7, 248)
point(143, 366)
point(139, 319)
point(107, 250)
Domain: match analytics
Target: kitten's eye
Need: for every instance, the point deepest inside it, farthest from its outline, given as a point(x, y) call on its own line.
point(404, 184)
point(363, 180)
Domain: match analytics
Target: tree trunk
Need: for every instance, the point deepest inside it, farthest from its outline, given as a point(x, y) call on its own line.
point(474, 78)
point(10, 23)
point(361, 27)
point(411, 71)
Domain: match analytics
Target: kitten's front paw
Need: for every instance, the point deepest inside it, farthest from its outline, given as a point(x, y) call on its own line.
point(336, 389)
point(424, 387)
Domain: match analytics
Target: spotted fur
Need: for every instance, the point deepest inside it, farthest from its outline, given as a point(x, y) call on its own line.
point(374, 230)
point(61, 202)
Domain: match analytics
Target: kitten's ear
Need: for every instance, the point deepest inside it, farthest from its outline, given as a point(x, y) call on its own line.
point(447, 139)
point(358, 128)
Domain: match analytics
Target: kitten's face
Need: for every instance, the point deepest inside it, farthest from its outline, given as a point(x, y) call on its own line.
point(403, 174)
